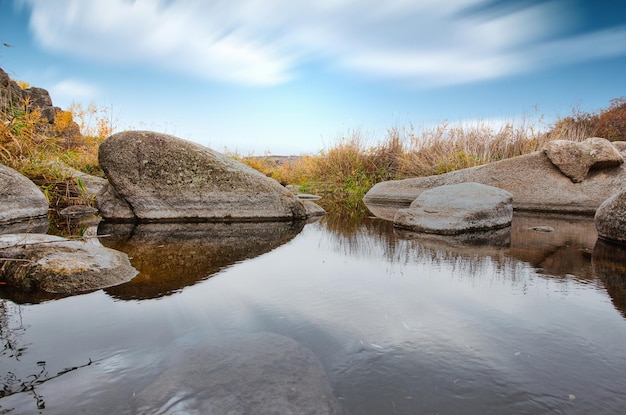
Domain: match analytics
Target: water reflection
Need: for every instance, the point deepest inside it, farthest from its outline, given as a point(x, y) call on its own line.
point(609, 265)
point(560, 247)
point(172, 256)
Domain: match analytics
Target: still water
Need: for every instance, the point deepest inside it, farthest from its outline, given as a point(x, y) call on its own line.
point(521, 322)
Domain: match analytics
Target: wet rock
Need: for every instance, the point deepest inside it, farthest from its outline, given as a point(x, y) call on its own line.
point(78, 211)
point(313, 209)
point(37, 225)
point(576, 159)
point(458, 208)
point(159, 177)
point(610, 218)
point(20, 199)
point(35, 262)
point(255, 373)
point(535, 183)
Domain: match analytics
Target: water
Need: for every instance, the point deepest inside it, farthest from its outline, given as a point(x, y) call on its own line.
point(523, 322)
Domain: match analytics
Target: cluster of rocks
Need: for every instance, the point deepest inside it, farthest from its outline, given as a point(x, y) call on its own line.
point(151, 178)
point(587, 177)
point(12, 95)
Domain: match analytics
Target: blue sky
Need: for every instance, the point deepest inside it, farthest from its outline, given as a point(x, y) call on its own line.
point(291, 77)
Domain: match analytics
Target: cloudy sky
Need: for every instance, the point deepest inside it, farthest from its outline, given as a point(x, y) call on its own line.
point(291, 77)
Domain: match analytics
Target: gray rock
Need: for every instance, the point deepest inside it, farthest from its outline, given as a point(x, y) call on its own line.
point(458, 208)
point(231, 373)
point(20, 199)
point(77, 211)
point(11, 95)
point(610, 218)
point(37, 225)
point(10, 92)
point(620, 146)
point(535, 183)
point(313, 209)
point(576, 159)
point(35, 262)
point(163, 178)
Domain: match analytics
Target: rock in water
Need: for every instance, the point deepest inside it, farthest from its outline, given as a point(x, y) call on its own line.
point(156, 177)
point(256, 373)
point(536, 184)
point(20, 199)
point(611, 218)
point(459, 208)
point(52, 264)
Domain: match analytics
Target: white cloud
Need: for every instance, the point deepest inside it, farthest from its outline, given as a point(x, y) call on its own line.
point(265, 42)
point(71, 89)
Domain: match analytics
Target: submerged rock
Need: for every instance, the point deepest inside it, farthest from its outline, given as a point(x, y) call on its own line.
point(459, 208)
point(611, 218)
point(35, 262)
point(158, 177)
point(241, 373)
point(20, 199)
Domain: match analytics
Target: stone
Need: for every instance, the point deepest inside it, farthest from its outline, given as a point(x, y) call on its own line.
point(78, 211)
point(313, 209)
point(11, 95)
point(52, 264)
point(620, 146)
point(458, 208)
point(159, 177)
point(535, 183)
point(20, 199)
point(241, 373)
point(40, 98)
point(10, 92)
point(610, 218)
point(576, 159)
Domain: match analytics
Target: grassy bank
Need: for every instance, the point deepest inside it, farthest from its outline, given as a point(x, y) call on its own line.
point(350, 167)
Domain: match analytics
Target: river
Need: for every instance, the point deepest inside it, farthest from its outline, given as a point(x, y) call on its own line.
point(530, 320)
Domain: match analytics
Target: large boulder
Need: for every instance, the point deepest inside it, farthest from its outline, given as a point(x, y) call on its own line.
point(20, 199)
point(534, 181)
point(240, 373)
point(48, 263)
point(458, 208)
point(611, 218)
point(576, 159)
point(158, 177)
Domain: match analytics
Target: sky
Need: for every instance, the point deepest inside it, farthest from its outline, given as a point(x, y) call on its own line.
point(293, 77)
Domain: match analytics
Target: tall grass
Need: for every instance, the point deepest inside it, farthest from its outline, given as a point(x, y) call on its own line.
point(349, 168)
point(40, 150)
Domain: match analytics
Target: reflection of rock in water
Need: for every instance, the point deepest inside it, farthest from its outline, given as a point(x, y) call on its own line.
point(566, 250)
point(260, 373)
point(170, 256)
point(609, 265)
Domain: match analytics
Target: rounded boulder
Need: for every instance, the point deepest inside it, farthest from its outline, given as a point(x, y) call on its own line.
point(458, 208)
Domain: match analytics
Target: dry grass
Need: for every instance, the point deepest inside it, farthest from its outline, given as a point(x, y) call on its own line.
point(350, 167)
